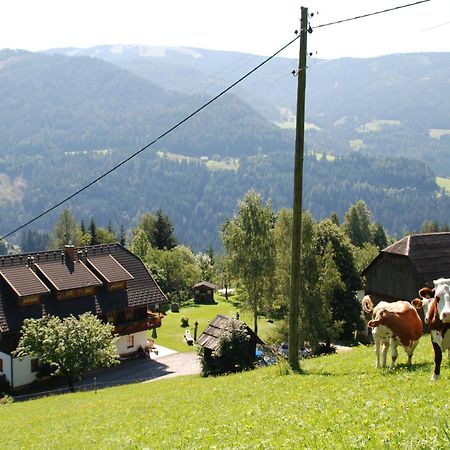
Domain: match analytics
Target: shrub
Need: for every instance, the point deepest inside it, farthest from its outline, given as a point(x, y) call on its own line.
point(175, 307)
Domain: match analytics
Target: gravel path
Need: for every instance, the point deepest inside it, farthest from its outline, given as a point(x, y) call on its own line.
point(165, 364)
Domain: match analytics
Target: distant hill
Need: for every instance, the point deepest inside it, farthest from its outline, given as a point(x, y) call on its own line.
point(67, 119)
point(54, 103)
point(393, 105)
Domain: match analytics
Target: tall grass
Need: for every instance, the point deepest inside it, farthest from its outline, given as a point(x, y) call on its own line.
point(340, 401)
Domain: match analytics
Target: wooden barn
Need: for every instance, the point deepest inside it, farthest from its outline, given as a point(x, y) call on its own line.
point(204, 292)
point(401, 269)
point(209, 339)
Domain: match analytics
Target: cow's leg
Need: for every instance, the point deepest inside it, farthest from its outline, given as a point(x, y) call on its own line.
point(410, 351)
point(437, 361)
point(394, 352)
point(385, 351)
point(377, 341)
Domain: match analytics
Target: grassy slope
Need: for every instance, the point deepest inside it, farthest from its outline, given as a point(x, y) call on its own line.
point(171, 333)
point(340, 402)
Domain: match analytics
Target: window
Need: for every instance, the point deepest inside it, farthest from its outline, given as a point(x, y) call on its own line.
point(34, 364)
point(116, 286)
point(29, 300)
point(129, 315)
point(79, 292)
point(110, 317)
point(130, 341)
point(1, 365)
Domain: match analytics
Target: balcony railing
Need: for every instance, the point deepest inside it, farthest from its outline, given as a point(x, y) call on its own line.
point(153, 320)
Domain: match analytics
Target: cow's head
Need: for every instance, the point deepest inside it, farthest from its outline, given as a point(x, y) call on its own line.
point(426, 297)
point(442, 298)
point(379, 318)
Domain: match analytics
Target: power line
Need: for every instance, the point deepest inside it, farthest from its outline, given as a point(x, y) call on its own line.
point(178, 124)
point(362, 16)
point(195, 112)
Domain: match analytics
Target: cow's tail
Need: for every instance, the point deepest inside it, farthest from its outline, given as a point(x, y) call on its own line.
point(367, 304)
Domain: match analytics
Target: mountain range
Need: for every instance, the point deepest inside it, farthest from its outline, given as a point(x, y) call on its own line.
point(69, 115)
point(390, 105)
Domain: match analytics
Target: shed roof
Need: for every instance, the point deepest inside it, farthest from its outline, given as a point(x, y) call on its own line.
point(206, 284)
point(428, 252)
point(210, 337)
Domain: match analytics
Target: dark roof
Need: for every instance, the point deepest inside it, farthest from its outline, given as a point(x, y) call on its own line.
point(210, 337)
point(64, 275)
point(206, 284)
point(428, 252)
point(141, 290)
point(109, 269)
point(23, 281)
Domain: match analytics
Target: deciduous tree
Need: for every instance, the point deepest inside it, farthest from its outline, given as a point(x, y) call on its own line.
point(249, 242)
point(73, 345)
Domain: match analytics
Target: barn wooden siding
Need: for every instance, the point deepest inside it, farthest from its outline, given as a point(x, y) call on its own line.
point(401, 269)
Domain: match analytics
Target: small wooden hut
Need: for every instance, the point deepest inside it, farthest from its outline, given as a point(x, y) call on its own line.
point(204, 293)
point(209, 339)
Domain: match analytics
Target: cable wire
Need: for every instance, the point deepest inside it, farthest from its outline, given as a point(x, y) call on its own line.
point(363, 16)
point(178, 124)
point(195, 112)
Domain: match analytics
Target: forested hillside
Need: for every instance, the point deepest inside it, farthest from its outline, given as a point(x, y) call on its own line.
point(54, 104)
point(401, 194)
point(394, 105)
point(66, 120)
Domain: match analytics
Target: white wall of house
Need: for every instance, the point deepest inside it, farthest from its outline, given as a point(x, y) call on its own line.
point(20, 369)
point(6, 365)
point(131, 342)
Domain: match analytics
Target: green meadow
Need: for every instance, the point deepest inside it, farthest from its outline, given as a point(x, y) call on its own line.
point(339, 401)
point(171, 333)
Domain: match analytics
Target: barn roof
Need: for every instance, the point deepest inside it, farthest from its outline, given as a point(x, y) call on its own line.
point(141, 289)
point(210, 337)
point(428, 252)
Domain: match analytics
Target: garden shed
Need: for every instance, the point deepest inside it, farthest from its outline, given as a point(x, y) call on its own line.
point(209, 339)
point(401, 269)
point(204, 292)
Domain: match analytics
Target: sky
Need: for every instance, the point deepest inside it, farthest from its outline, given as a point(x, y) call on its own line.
point(251, 26)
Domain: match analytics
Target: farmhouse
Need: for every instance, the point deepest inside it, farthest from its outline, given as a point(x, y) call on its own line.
point(106, 280)
point(400, 270)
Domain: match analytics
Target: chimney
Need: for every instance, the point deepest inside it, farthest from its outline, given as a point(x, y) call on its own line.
point(71, 252)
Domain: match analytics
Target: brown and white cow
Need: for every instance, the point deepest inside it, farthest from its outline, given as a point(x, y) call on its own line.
point(436, 305)
point(393, 324)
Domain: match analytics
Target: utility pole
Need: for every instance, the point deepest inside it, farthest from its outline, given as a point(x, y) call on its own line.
point(298, 191)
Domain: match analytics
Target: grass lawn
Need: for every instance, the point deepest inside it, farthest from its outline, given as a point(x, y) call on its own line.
point(340, 402)
point(171, 333)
